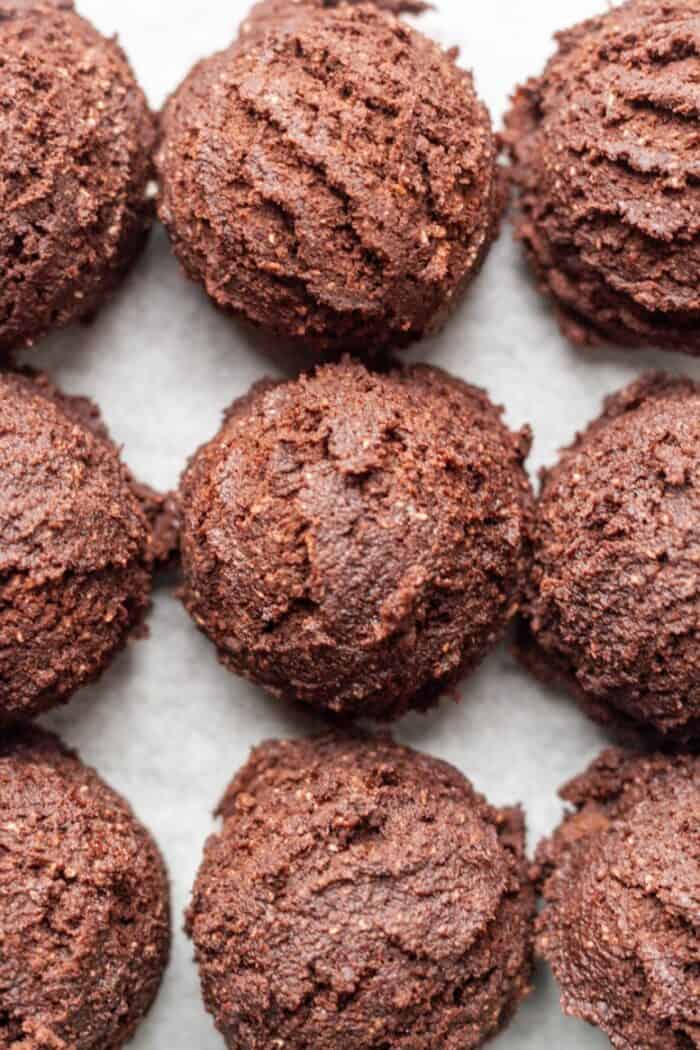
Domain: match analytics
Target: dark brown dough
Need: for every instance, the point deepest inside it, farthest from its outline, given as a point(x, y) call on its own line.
point(605, 160)
point(361, 896)
point(84, 908)
point(270, 15)
point(613, 608)
point(76, 548)
point(76, 143)
point(357, 540)
point(331, 177)
point(621, 926)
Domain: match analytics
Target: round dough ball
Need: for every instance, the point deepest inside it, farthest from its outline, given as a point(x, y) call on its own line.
point(605, 161)
point(621, 923)
point(267, 15)
point(330, 177)
point(613, 608)
point(76, 143)
point(357, 541)
point(358, 896)
point(76, 549)
point(84, 908)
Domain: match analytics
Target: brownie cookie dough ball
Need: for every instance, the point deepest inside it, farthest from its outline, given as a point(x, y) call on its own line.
point(84, 910)
point(76, 139)
point(605, 161)
point(361, 895)
point(613, 608)
point(271, 14)
point(357, 541)
point(75, 548)
point(621, 926)
point(330, 177)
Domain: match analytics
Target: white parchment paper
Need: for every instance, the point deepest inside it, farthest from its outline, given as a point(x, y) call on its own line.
point(167, 726)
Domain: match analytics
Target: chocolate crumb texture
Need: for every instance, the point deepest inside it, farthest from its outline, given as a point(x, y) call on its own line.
point(621, 923)
point(76, 170)
point(76, 547)
point(361, 895)
point(355, 540)
point(604, 149)
point(84, 903)
point(269, 15)
point(330, 177)
point(613, 605)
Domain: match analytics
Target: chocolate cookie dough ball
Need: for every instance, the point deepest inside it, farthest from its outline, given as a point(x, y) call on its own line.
point(613, 607)
point(76, 138)
point(358, 896)
point(84, 911)
point(330, 177)
point(271, 14)
point(357, 541)
point(75, 547)
point(621, 924)
point(605, 160)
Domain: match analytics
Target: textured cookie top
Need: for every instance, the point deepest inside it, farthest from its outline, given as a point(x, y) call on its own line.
point(84, 913)
point(269, 15)
point(622, 923)
point(76, 549)
point(605, 149)
point(359, 895)
point(331, 176)
point(66, 501)
point(357, 540)
point(76, 138)
point(615, 595)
